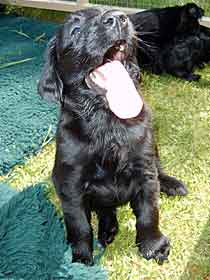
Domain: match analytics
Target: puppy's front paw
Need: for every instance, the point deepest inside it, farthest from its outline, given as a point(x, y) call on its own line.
point(108, 228)
point(193, 77)
point(171, 186)
point(81, 253)
point(106, 237)
point(157, 248)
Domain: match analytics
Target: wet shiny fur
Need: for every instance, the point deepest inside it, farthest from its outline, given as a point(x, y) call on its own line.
point(102, 162)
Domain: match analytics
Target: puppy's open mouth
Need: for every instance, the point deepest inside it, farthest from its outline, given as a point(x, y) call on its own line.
point(112, 80)
point(119, 51)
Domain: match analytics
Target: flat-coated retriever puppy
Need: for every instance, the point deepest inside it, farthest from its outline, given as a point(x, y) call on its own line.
point(205, 42)
point(105, 156)
point(180, 57)
point(157, 27)
point(183, 53)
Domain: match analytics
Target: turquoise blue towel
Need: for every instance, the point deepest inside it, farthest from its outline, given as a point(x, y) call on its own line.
point(32, 240)
point(26, 121)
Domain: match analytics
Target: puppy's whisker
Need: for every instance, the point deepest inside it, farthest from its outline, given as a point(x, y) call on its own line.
point(139, 39)
point(149, 43)
point(86, 108)
point(142, 33)
point(145, 44)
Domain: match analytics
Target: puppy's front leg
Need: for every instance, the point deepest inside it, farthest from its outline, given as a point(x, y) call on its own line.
point(151, 242)
point(79, 233)
point(77, 215)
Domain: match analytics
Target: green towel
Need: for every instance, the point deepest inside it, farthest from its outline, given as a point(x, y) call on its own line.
point(26, 121)
point(32, 240)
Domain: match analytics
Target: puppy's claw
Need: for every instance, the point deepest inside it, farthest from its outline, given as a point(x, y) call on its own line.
point(82, 254)
point(157, 249)
point(193, 77)
point(171, 186)
point(107, 238)
point(85, 261)
point(163, 255)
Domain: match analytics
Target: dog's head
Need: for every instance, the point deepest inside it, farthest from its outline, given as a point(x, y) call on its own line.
point(86, 40)
point(193, 11)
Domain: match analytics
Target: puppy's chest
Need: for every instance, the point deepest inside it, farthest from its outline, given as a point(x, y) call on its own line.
point(117, 134)
point(107, 190)
point(113, 182)
point(116, 163)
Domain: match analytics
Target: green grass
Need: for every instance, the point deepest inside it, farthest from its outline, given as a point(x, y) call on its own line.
point(58, 16)
point(5, 65)
point(147, 4)
point(182, 124)
point(42, 14)
point(181, 114)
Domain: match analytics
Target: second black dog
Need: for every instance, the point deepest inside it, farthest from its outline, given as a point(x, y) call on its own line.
point(165, 30)
point(180, 57)
point(183, 54)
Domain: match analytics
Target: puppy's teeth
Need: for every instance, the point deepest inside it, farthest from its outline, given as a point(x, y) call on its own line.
point(92, 76)
point(122, 48)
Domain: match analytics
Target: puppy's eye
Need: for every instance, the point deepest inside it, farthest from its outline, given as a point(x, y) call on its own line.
point(75, 31)
point(123, 19)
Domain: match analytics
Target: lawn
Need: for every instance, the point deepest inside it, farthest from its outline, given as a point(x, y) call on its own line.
point(140, 4)
point(147, 4)
point(181, 117)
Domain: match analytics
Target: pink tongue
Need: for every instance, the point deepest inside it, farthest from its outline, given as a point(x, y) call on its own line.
point(122, 96)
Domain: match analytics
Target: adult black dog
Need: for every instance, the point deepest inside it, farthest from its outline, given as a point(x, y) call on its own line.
point(102, 161)
point(156, 28)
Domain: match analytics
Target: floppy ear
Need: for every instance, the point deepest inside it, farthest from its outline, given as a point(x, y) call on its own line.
point(50, 85)
point(195, 13)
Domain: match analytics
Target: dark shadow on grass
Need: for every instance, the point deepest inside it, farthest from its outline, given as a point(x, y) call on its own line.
point(198, 267)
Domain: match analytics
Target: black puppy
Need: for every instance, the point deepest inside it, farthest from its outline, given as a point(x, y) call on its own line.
point(179, 57)
point(183, 53)
point(205, 46)
point(102, 161)
point(157, 27)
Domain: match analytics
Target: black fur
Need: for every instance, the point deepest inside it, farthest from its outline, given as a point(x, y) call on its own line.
point(166, 36)
point(205, 45)
point(180, 56)
point(183, 54)
point(101, 161)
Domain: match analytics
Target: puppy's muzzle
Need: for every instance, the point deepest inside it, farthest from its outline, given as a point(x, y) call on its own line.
point(111, 19)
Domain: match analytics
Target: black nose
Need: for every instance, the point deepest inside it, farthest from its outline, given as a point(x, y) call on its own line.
point(112, 18)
